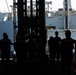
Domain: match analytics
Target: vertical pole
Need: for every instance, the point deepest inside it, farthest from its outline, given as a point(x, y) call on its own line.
point(31, 8)
point(42, 15)
point(37, 9)
point(25, 8)
point(75, 54)
point(66, 13)
point(69, 7)
point(14, 19)
point(20, 15)
point(42, 29)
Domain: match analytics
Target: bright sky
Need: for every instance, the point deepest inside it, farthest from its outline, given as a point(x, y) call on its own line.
point(59, 4)
point(55, 4)
point(3, 5)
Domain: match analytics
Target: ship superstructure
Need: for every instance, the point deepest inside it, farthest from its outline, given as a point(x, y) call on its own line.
point(59, 20)
point(62, 20)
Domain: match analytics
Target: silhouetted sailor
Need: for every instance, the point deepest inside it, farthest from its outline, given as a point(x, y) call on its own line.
point(67, 56)
point(51, 47)
point(5, 45)
point(57, 41)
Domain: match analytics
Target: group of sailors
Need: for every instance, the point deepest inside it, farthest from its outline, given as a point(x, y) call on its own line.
point(26, 49)
point(58, 48)
point(62, 48)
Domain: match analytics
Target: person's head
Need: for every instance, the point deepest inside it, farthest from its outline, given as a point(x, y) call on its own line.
point(5, 35)
point(56, 33)
point(51, 37)
point(68, 33)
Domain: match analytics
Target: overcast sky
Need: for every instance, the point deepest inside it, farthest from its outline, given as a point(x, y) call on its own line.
point(55, 4)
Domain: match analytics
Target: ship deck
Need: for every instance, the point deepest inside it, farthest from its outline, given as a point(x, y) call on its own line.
point(34, 68)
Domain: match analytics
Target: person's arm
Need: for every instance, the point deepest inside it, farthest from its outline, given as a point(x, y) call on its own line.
point(11, 42)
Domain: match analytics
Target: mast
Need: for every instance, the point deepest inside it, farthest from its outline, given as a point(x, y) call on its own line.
point(67, 7)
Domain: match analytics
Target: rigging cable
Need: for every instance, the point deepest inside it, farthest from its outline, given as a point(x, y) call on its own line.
point(7, 5)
